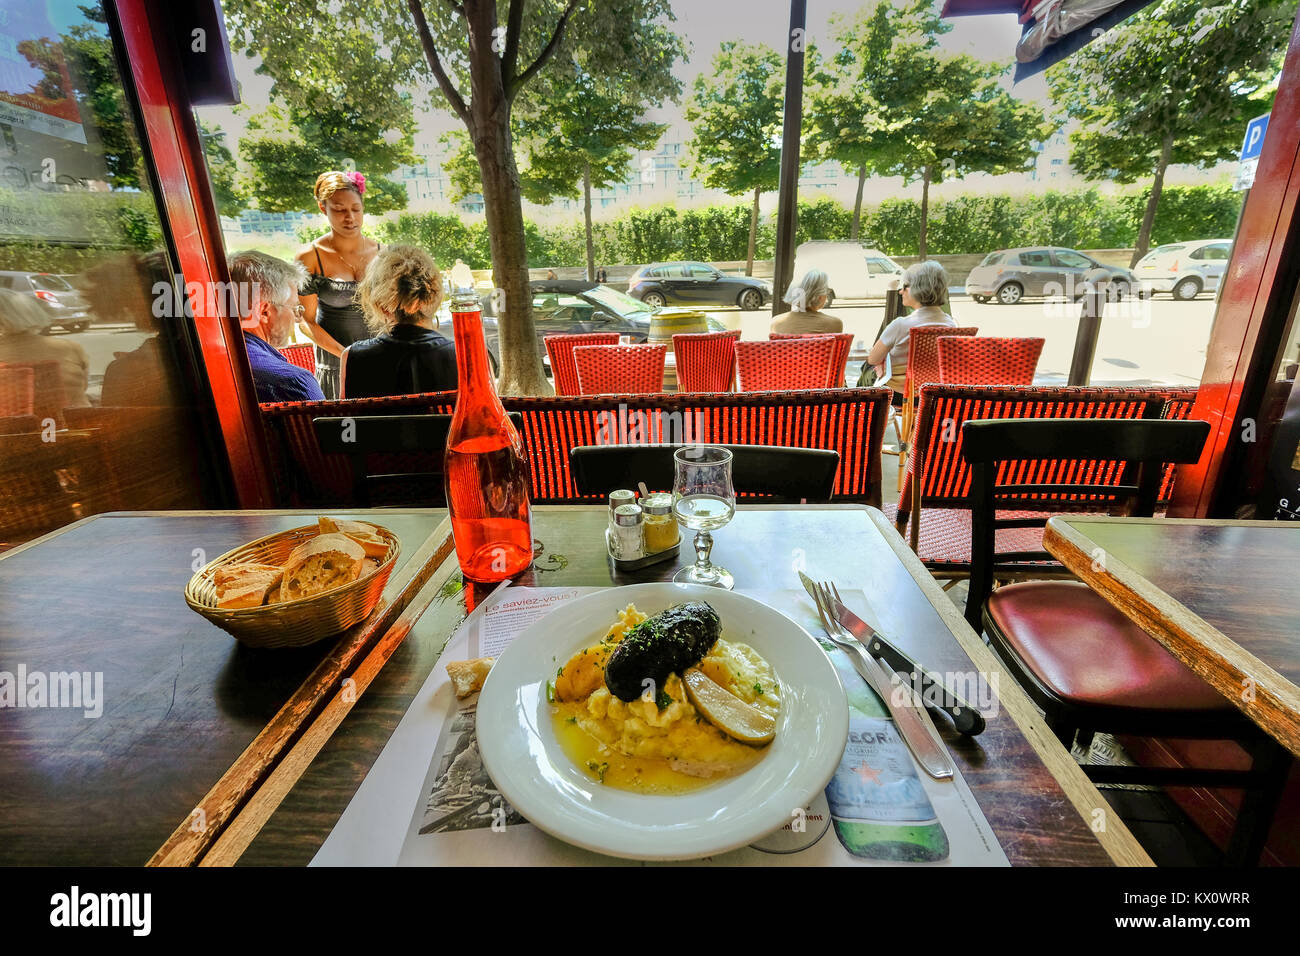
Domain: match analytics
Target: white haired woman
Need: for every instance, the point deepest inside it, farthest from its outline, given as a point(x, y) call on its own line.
point(925, 291)
point(807, 297)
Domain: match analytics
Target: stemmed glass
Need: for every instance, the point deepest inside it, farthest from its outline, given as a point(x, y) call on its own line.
point(703, 500)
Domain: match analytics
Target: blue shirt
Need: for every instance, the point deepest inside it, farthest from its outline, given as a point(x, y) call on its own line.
point(276, 378)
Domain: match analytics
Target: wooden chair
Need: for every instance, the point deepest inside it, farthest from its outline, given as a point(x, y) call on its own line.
point(1080, 659)
point(922, 368)
point(784, 364)
point(840, 357)
point(934, 504)
point(303, 356)
point(776, 473)
point(564, 374)
point(395, 459)
point(988, 360)
point(17, 390)
point(620, 369)
point(706, 361)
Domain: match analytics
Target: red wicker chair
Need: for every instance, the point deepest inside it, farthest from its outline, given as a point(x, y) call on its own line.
point(922, 368)
point(620, 369)
point(839, 359)
point(934, 505)
point(849, 421)
point(17, 390)
point(785, 364)
point(47, 382)
point(987, 360)
point(706, 361)
point(560, 349)
point(303, 356)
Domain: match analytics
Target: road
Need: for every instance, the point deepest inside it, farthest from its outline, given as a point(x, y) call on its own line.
point(1148, 340)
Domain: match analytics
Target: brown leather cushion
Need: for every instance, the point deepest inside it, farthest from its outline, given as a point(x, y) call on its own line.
point(1089, 654)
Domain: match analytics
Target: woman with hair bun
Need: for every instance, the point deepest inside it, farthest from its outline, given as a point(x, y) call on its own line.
point(335, 263)
point(400, 294)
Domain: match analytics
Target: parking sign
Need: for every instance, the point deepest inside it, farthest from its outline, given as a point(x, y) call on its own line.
point(1251, 147)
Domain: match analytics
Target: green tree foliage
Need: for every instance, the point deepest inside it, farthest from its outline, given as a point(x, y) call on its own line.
point(735, 116)
point(1175, 83)
point(221, 171)
point(925, 114)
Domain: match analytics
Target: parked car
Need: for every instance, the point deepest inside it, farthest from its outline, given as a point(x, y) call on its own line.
point(696, 283)
point(1184, 269)
point(1009, 275)
point(63, 305)
point(576, 306)
point(855, 271)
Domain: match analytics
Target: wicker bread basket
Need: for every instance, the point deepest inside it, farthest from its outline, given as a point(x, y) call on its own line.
point(293, 623)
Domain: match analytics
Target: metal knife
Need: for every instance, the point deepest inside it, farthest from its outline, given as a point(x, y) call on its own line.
point(912, 724)
point(965, 718)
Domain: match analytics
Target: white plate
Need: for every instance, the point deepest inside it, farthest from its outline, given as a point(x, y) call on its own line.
point(524, 758)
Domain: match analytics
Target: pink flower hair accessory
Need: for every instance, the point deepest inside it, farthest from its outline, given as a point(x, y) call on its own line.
point(357, 180)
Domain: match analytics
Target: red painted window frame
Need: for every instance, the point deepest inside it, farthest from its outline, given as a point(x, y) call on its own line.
point(173, 146)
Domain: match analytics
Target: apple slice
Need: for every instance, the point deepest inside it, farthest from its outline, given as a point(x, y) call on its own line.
point(726, 711)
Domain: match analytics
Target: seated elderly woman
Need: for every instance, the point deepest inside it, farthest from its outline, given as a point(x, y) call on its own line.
point(807, 297)
point(400, 295)
point(925, 290)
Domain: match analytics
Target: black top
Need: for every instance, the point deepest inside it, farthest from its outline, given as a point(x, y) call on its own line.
point(405, 360)
point(337, 309)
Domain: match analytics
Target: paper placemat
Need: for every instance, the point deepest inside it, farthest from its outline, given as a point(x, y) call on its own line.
point(428, 801)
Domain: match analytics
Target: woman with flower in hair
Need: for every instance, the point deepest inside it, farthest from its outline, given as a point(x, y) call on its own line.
point(401, 293)
point(336, 263)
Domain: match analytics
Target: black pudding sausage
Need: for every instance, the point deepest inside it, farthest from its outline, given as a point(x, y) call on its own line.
point(668, 643)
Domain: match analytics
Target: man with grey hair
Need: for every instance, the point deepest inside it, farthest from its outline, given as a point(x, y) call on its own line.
point(807, 297)
point(266, 297)
point(925, 290)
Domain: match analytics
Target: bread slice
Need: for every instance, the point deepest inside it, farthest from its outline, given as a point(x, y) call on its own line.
point(361, 532)
point(468, 676)
point(321, 564)
point(246, 584)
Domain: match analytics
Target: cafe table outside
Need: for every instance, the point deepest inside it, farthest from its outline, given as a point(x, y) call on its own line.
point(1041, 816)
point(190, 720)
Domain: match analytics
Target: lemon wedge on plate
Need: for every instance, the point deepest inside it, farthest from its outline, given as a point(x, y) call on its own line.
point(726, 711)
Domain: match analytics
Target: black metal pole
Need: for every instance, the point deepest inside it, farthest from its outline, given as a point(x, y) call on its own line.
point(1085, 339)
point(787, 198)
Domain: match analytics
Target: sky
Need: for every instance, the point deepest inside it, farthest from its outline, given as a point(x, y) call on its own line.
point(705, 25)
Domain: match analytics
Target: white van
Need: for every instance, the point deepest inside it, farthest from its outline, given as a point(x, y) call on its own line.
point(855, 271)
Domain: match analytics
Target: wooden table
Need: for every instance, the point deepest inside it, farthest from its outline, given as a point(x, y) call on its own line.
point(191, 720)
point(1036, 798)
point(1221, 595)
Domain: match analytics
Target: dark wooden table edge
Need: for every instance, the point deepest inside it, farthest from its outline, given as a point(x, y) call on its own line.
point(1119, 844)
point(1122, 847)
point(201, 827)
point(1220, 661)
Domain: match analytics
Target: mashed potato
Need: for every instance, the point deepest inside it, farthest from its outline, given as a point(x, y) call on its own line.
point(661, 745)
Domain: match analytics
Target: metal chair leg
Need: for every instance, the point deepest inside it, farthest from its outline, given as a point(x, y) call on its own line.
point(1270, 768)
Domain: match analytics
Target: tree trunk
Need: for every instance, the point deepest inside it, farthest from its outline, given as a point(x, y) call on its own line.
point(753, 233)
point(586, 218)
point(857, 202)
point(925, 211)
point(1157, 187)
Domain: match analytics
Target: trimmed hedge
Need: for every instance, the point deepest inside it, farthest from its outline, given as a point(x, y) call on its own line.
point(1080, 218)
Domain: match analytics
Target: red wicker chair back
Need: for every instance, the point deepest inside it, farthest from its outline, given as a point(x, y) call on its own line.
point(839, 358)
point(17, 390)
point(620, 369)
point(987, 360)
point(706, 361)
point(303, 356)
point(784, 364)
point(560, 349)
point(923, 354)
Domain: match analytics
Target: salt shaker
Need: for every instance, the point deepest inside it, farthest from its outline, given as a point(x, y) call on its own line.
point(625, 540)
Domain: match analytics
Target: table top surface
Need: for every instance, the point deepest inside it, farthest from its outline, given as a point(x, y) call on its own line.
point(1038, 818)
point(181, 699)
point(1220, 594)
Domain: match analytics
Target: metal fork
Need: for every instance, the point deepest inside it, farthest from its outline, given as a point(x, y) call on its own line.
point(913, 723)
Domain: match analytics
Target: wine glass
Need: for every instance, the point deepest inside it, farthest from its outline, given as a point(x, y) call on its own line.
point(703, 500)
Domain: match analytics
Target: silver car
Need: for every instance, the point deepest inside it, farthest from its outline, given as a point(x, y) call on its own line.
point(1010, 275)
point(1184, 269)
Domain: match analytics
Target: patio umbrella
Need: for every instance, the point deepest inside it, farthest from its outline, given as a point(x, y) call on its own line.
point(1053, 29)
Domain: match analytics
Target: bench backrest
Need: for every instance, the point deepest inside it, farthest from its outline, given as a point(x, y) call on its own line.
point(850, 421)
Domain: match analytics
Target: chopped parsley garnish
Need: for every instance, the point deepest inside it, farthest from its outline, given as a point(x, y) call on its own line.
point(559, 670)
point(598, 769)
point(758, 689)
point(550, 692)
point(663, 700)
